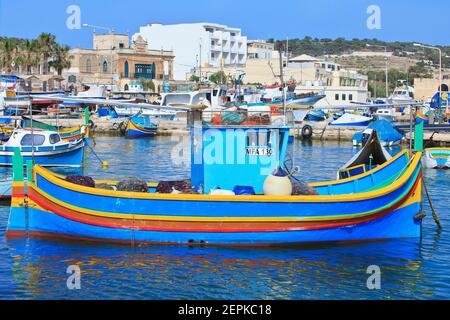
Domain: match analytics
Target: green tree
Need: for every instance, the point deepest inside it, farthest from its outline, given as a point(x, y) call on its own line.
point(218, 77)
point(30, 54)
point(194, 78)
point(46, 44)
point(147, 84)
point(61, 58)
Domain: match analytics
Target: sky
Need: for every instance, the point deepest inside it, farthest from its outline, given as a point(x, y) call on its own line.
point(399, 20)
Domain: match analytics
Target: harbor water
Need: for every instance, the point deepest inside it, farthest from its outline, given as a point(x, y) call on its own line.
point(410, 268)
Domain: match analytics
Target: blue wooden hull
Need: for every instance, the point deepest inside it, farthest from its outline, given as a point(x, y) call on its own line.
point(383, 205)
point(398, 224)
point(138, 133)
point(66, 158)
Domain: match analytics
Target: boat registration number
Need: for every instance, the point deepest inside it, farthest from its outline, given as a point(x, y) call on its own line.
point(254, 151)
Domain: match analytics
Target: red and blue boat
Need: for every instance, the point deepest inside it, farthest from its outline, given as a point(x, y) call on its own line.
point(382, 203)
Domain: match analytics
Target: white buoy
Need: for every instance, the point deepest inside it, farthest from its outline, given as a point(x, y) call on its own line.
point(278, 184)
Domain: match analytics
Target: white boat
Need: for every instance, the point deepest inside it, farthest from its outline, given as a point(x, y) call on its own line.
point(216, 97)
point(349, 119)
point(125, 111)
point(402, 93)
point(385, 114)
point(44, 147)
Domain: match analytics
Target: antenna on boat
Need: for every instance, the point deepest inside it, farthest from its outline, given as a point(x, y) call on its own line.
point(31, 124)
point(283, 85)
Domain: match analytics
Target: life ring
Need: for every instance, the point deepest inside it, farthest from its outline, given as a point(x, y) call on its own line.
point(307, 131)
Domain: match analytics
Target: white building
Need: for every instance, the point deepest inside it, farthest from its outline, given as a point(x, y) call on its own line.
point(197, 45)
point(259, 49)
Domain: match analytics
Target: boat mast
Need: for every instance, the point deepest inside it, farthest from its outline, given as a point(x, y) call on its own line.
point(283, 85)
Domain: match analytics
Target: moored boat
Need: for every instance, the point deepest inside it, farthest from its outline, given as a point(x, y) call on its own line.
point(140, 125)
point(382, 203)
point(67, 134)
point(369, 157)
point(46, 148)
point(349, 119)
point(387, 133)
point(437, 158)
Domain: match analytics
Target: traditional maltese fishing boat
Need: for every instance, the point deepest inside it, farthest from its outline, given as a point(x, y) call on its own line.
point(437, 158)
point(140, 125)
point(382, 203)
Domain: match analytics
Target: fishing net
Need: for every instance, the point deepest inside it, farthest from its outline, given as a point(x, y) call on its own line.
point(81, 180)
point(132, 184)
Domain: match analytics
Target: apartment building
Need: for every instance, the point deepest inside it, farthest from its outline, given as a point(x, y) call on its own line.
point(197, 46)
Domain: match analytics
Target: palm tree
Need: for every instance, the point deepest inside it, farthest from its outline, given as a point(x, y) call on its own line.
point(61, 58)
point(8, 49)
point(46, 44)
point(30, 54)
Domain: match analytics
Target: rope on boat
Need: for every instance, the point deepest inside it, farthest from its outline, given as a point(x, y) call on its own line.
point(104, 163)
point(433, 212)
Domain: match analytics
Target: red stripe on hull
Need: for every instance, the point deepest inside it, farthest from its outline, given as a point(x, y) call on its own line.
point(201, 226)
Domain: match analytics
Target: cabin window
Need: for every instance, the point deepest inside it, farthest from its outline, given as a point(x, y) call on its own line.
point(55, 138)
point(32, 140)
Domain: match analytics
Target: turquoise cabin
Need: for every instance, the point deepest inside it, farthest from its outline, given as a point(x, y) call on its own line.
point(226, 156)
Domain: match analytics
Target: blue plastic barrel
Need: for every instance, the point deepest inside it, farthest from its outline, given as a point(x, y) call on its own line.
point(243, 190)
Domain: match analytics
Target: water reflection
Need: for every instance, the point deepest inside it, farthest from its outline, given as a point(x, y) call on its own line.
point(36, 269)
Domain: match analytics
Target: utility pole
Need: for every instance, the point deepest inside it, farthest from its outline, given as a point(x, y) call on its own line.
point(200, 62)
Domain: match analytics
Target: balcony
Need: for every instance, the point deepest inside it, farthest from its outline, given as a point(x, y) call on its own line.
point(139, 75)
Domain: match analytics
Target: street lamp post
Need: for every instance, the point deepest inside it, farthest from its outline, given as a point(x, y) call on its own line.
point(440, 69)
point(386, 65)
point(110, 30)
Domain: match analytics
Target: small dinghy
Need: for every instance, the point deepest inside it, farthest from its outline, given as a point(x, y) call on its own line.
point(140, 125)
point(437, 158)
point(371, 155)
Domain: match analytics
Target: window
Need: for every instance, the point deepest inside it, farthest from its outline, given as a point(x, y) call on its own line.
point(54, 138)
point(350, 97)
point(336, 97)
point(121, 46)
point(126, 70)
point(147, 71)
point(105, 67)
point(32, 140)
point(88, 65)
point(344, 97)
